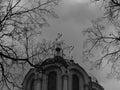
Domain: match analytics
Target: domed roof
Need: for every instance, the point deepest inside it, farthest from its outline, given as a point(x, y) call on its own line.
point(97, 86)
point(59, 60)
point(56, 59)
point(93, 78)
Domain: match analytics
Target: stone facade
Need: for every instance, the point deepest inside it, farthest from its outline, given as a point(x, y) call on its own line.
point(59, 74)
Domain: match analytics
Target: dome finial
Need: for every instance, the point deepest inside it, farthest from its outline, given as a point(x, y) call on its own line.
point(58, 49)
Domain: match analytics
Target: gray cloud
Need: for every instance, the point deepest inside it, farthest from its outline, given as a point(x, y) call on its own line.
point(73, 19)
point(79, 13)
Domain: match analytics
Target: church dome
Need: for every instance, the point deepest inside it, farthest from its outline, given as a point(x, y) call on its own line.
point(58, 73)
point(55, 60)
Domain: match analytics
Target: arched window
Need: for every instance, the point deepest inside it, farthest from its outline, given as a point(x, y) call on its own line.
point(75, 82)
point(32, 84)
point(52, 77)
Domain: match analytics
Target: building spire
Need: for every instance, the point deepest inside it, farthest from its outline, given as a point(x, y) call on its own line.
point(58, 49)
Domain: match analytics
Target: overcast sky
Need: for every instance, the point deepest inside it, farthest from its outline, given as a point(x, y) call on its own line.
point(74, 16)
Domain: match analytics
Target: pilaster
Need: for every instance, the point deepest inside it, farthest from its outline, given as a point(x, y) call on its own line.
point(65, 82)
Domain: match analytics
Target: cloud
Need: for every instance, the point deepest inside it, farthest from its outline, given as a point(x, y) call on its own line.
point(73, 18)
point(76, 1)
point(78, 12)
point(111, 85)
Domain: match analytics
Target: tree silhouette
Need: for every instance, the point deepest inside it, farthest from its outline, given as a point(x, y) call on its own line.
point(111, 10)
point(105, 42)
point(21, 22)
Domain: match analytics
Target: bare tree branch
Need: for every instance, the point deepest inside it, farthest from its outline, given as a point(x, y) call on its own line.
point(19, 25)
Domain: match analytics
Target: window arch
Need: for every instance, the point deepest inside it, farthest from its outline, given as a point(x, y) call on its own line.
point(94, 89)
point(35, 84)
point(52, 80)
point(75, 82)
point(30, 82)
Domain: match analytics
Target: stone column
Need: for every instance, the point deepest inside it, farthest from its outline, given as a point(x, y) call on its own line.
point(59, 81)
point(86, 86)
point(38, 81)
point(44, 82)
point(37, 84)
point(70, 82)
point(65, 82)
